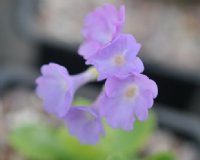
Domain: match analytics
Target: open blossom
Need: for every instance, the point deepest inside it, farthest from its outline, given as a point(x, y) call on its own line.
point(101, 26)
point(127, 94)
point(118, 58)
point(127, 97)
point(84, 123)
point(56, 87)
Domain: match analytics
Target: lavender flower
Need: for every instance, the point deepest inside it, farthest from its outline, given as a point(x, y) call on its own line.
point(56, 87)
point(101, 27)
point(85, 124)
point(118, 58)
point(126, 97)
point(127, 93)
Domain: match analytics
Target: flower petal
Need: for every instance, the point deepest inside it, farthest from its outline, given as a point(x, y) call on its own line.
point(126, 97)
point(87, 49)
point(55, 88)
point(117, 58)
point(85, 124)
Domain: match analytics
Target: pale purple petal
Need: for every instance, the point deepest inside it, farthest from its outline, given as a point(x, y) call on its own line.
point(118, 58)
point(112, 85)
point(55, 88)
point(117, 114)
point(146, 84)
point(141, 108)
point(137, 66)
point(101, 26)
point(85, 124)
point(103, 23)
point(127, 97)
point(87, 49)
point(148, 96)
point(96, 28)
point(122, 14)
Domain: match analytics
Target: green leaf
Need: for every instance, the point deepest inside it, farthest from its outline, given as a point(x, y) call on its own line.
point(37, 142)
point(117, 156)
point(162, 156)
point(79, 101)
point(78, 151)
point(131, 142)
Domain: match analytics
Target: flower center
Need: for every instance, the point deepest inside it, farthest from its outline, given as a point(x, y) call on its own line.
point(131, 91)
point(119, 59)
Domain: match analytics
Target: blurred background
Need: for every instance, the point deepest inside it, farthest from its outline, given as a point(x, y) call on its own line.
point(36, 32)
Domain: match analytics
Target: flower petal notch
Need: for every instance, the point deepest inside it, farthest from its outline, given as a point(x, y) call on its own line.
point(101, 26)
point(119, 58)
point(127, 97)
point(85, 124)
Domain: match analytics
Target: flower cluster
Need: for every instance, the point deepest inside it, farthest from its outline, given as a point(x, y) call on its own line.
point(127, 94)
